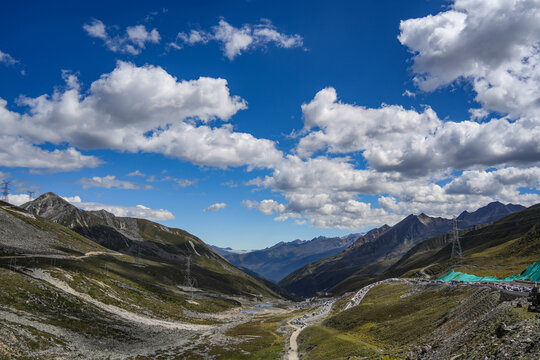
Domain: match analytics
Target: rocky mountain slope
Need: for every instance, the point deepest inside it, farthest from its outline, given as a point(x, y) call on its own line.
point(24, 233)
point(148, 240)
point(385, 246)
point(65, 296)
point(276, 262)
point(501, 249)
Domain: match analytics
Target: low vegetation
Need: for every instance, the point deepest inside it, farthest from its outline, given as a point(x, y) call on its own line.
point(382, 326)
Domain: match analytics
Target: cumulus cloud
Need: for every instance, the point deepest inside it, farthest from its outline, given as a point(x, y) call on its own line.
point(107, 182)
point(496, 182)
point(234, 41)
point(215, 207)
point(19, 199)
point(269, 206)
point(325, 191)
point(392, 138)
point(138, 211)
point(493, 44)
point(132, 42)
point(7, 59)
point(138, 109)
point(19, 152)
point(409, 153)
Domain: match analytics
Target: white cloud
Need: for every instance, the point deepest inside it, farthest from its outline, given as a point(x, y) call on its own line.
point(132, 42)
point(107, 182)
point(493, 183)
point(136, 173)
point(235, 41)
point(344, 128)
point(139, 35)
point(215, 207)
point(408, 93)
point(7, 59)
point(478, 114)
point(493, 44)
point(142, 109)
point(138, 211)
point(19, 152)
point(194, 37)
point(265, 206)
point(19, 199)
point(325, 191)
point(72, 199)
point(269, 206)
point(183, 183)
point(392, 138)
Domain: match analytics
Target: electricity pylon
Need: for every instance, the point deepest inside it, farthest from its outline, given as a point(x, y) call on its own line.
point(456, 246)
point(5, 190)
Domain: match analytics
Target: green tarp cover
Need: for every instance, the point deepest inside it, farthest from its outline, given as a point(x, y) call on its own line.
point(531, 273)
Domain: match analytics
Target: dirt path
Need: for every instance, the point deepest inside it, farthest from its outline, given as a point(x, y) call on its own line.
point(125, 314)
point(423, 272)
point(58, 256)
point(292, 354)
point(303, 321)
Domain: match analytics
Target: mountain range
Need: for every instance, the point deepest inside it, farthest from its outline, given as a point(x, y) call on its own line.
point(375, 252)
point(144, 239)
point(276, 262)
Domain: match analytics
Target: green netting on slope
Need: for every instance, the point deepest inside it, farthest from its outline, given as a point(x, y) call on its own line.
point(531, 273)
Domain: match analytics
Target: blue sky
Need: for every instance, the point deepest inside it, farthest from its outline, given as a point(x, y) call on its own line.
point(250, 122)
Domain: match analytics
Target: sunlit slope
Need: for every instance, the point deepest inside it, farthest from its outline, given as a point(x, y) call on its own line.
point(147, 240)
point(502, 249)
point(399, 321)
point(24, 233)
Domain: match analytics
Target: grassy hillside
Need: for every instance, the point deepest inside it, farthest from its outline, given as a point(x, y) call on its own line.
point(65, 296)
point(148, 241)
point(382, 325)
point(501, 249)
point(431, 322)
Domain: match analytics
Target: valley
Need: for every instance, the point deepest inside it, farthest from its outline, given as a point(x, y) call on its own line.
point(150, 292)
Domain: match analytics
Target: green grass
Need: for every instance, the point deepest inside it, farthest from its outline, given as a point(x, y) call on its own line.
point(57, 308)
point(382, 326)
point(260, 339)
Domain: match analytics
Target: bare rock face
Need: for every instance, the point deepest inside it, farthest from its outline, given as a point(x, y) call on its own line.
point(24, 233)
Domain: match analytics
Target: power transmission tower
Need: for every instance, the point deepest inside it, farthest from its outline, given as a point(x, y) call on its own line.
point(189, 282)
point(5, 190)
point(456, 246)
point(30, 194)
